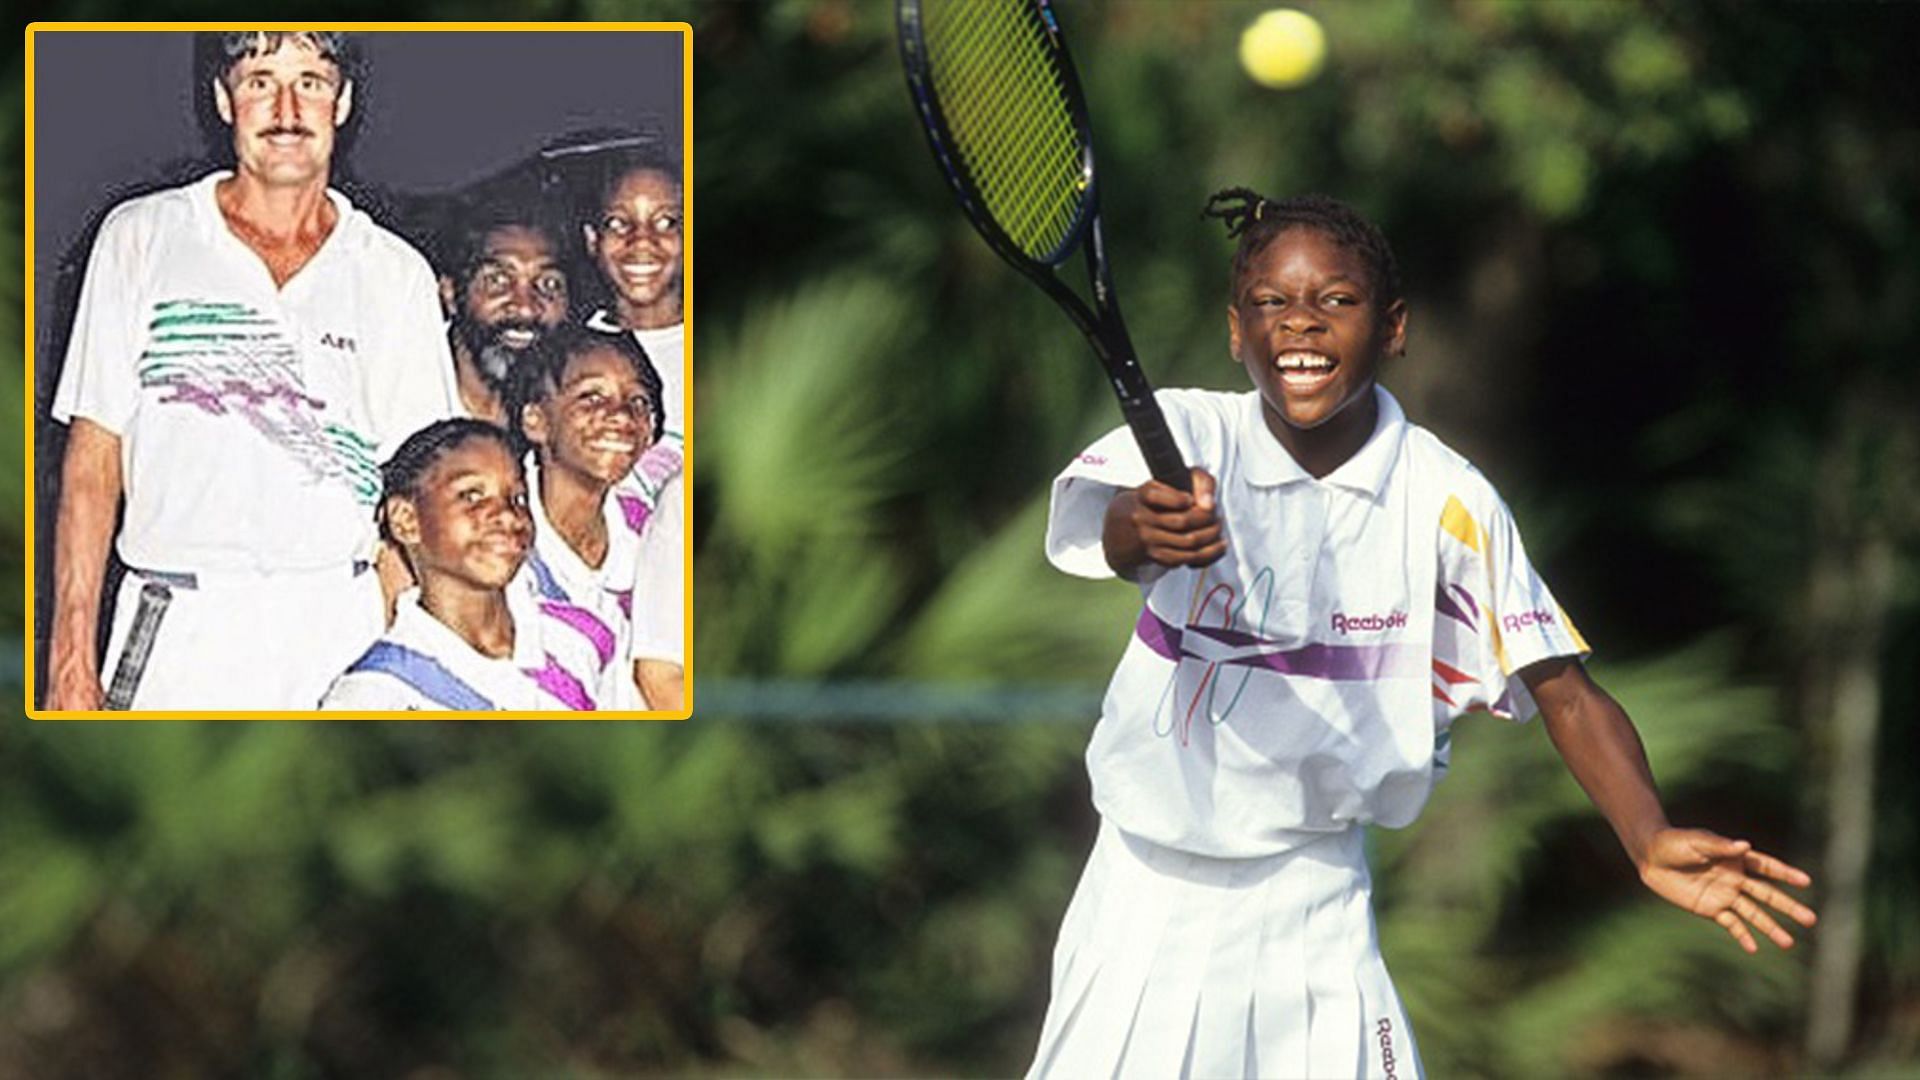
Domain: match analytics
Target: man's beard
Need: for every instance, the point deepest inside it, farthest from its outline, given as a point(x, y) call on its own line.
point(494, 359)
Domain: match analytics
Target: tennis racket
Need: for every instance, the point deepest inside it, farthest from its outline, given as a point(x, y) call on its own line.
point(154, 598)
point(1002, 108)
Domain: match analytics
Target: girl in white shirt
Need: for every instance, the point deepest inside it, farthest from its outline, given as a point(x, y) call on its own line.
point(1335, 591)
point(587, 404)
point(470, 635)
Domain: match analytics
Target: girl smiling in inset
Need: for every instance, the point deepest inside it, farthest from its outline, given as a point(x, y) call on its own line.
point(470, 636)
point(588, 405)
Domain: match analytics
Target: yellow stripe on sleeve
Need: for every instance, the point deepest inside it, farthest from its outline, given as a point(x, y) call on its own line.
point(1459, 524)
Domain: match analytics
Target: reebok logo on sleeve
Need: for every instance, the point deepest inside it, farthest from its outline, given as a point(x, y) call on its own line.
point(1515, 623)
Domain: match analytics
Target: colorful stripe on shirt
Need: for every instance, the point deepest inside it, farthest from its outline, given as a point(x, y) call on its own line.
point(1458, 522)
point(558, 605)
point(562, 684)
point(428, 677)
point(1317, 661)
point(634, 510)
point(586, 622)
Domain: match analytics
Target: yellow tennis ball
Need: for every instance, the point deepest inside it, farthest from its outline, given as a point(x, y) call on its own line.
point(1283, 48)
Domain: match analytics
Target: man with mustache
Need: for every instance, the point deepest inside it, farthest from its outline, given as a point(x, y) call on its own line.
point(245, 351)
point(504, 288)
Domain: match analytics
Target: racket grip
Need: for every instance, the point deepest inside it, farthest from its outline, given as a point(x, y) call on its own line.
point(1163, 456)
point(154, 598)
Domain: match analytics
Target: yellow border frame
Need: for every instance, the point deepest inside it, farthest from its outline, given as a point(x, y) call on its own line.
point(687, 278)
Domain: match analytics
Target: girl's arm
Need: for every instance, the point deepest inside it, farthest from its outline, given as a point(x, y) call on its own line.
point(1698, 871)
point(1158, 523)
point(662, 683)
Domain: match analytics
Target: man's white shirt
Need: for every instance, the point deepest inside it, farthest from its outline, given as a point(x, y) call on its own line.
point(252, 418)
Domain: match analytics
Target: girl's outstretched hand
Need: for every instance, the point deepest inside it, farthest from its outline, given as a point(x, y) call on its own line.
point(1725, 881)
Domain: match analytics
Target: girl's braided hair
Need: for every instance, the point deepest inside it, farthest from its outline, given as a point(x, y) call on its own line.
point(1255, 220)
point(608, 171)
point(401, 475)
point(537, 374)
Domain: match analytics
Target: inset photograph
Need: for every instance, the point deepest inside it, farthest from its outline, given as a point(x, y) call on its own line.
point(360, 370)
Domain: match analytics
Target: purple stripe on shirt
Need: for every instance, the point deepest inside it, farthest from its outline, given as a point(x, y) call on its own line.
point(1159, 635)
point(1333, 662)
point(1341, 662)
point(1445, 605)
point(1237, 639)
point(1467, 598)
point(584, 621)
point(635, 510)
point(560, 683)
point(661, 463)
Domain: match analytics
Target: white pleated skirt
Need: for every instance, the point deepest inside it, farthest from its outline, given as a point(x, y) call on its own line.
point(1171, 964)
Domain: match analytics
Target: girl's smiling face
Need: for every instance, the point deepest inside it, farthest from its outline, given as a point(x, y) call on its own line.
point(597, 422)
point(470, 521)
point(637, 247)
point(1309, 328)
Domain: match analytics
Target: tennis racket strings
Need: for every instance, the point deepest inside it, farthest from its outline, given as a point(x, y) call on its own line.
point(1011, 120)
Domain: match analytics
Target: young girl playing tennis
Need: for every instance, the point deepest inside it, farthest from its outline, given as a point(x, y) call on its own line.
point(588, 404)
point(1338, 589)
point(471, 636)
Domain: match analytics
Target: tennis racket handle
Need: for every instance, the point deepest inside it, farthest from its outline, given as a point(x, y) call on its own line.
point(154, 598)
point(1163, 456)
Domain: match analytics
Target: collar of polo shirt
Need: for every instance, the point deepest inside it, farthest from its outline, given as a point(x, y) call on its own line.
point(1269, 464)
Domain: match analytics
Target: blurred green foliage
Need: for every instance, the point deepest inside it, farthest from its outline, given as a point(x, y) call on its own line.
point(368, 900)
point(1661, 266)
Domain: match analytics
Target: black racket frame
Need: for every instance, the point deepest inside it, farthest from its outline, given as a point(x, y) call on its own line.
point(1101, 323)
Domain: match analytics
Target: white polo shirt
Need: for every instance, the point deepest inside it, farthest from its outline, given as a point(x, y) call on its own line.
point(1294, 688)
point(660, 579)
point(421, 664)
point(597, 602)
point(564, 574)
point(252, 418)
